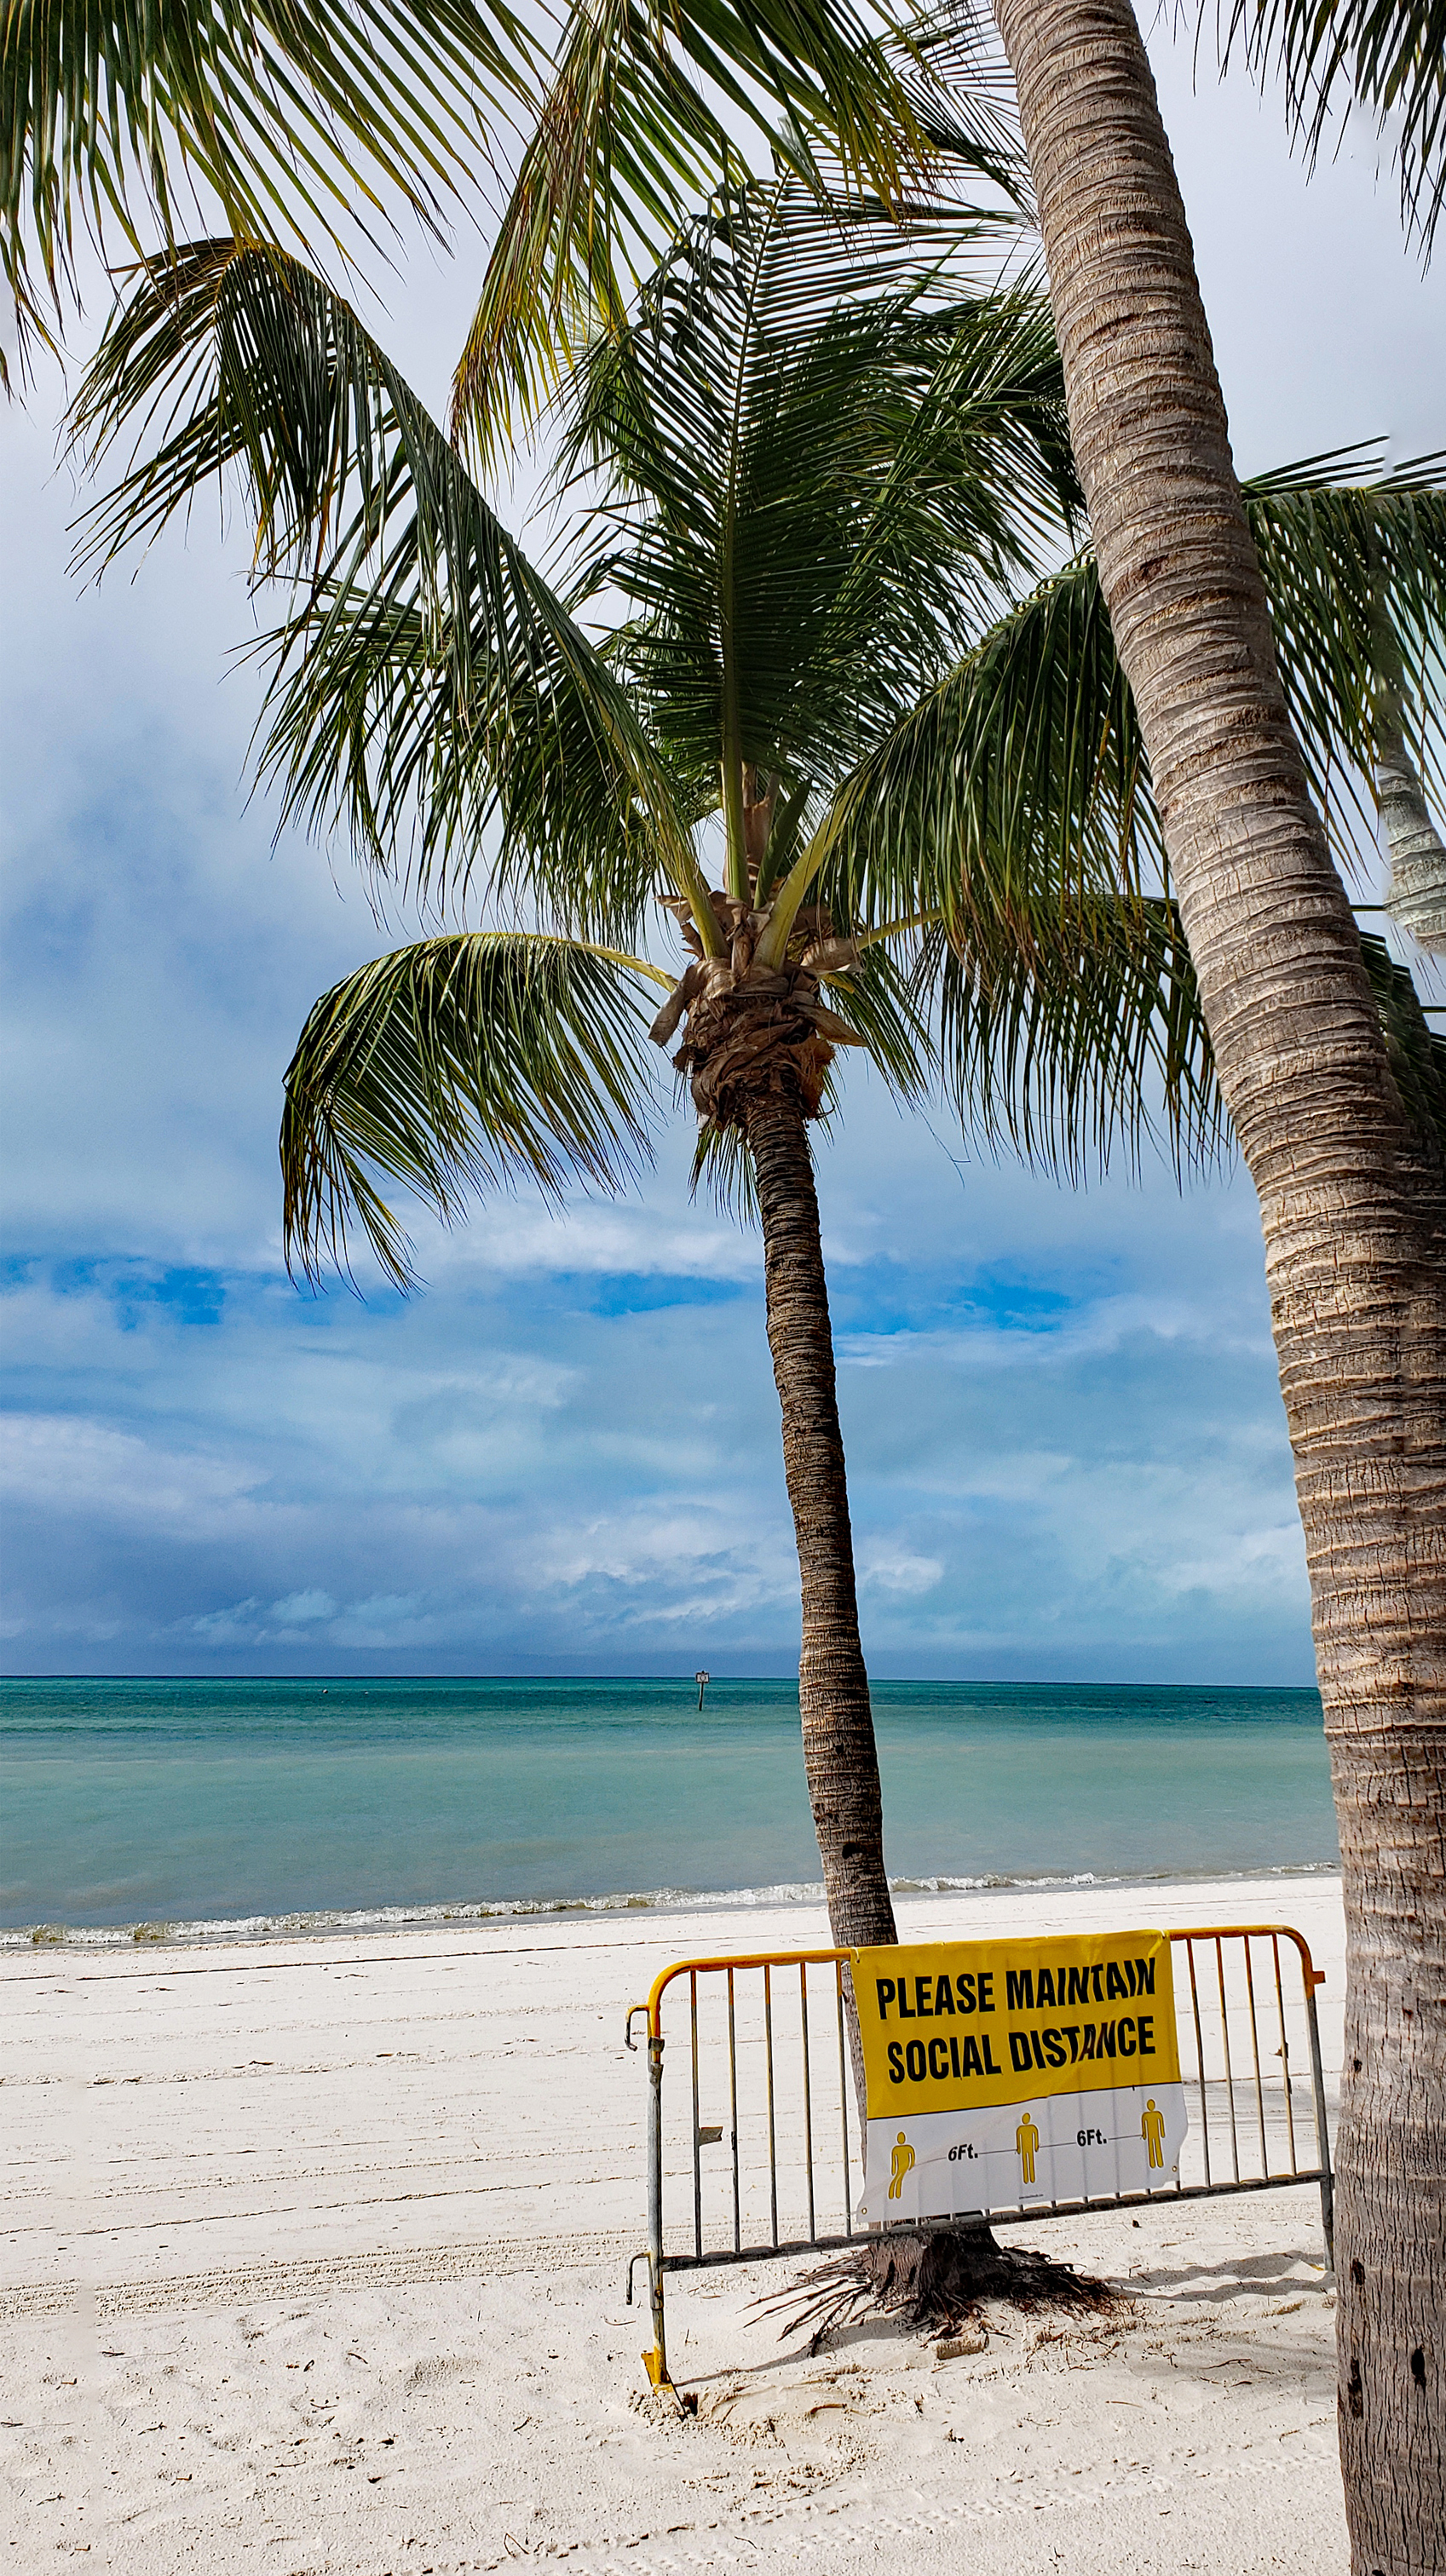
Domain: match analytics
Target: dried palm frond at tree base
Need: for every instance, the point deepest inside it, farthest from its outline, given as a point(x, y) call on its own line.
point(933, 2283)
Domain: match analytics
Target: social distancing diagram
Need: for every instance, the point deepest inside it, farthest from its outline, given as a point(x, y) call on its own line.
point(1000, 2073)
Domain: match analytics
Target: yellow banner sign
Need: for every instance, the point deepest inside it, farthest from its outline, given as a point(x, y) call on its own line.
point(959, 2025)
point(1005, 2071)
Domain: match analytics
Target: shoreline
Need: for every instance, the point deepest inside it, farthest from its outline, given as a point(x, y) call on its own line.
point(376, 1921)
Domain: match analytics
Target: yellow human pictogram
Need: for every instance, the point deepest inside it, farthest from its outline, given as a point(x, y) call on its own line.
point(903, 2163)
point(1026, 2139)
point(1152, 2130)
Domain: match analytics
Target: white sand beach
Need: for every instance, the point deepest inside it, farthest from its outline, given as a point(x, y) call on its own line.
point(314, 2256)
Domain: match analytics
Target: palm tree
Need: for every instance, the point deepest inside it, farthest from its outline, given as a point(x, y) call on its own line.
point(823, 482)
point(1352, 1186)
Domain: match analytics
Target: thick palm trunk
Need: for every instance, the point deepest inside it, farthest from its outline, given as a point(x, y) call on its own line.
point(1352, 1200)
point(840, 1757)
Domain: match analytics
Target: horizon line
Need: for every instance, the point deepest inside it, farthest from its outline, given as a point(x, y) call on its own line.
point(936, 1681)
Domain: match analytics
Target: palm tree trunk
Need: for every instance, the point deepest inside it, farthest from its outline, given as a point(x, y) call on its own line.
point(1352, 1199)
point(839, 1754)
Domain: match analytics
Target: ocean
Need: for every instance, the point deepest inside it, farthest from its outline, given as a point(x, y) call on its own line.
point(212, 1809)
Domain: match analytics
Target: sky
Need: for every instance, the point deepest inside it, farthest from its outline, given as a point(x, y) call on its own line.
point(1067, 1452)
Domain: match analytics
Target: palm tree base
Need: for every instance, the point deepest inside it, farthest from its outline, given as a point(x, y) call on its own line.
point(932, 2283)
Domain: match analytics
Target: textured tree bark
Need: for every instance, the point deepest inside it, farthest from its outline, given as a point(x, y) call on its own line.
point(1352, 1200)
point(839, 1753)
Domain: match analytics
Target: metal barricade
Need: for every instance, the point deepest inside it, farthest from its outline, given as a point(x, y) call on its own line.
point(770, 2082)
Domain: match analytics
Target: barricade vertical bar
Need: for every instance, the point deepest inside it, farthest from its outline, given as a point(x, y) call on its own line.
point(772, 2146)
point(1284, 2053)
point(843, 2098)
point(656, 2361)
point(1199, 2060)
point(733, 2116)
point(1229, 2072)
point(807, 2095)
point(1255, 2054)
point(1322, 2134)
point(697, 2152)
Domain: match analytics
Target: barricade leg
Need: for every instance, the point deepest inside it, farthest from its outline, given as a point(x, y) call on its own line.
point(1323, 2135)
point(655, 2362)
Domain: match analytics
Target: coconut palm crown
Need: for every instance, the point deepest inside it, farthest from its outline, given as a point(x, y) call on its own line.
point(830, 709)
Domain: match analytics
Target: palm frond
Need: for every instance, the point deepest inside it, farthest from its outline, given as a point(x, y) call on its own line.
point(425, 674)
point(1014, 805)
point(622, 137)
point(459, 1066)
point(1417, 1051)
point(957, 77)
point(644, 114)
point(1020, 776)
point(1339, 558)
point(821, 458)
point(1082, 1039)
point(1388, 56)
point(297, 116)
point(1024, 765)
point(723, 1165)
point(879, 1000)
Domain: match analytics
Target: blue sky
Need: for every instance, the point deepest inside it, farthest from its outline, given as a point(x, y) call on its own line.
point(1067, 1452)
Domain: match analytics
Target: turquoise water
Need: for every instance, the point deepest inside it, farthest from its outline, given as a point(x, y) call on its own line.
point(212, 1804)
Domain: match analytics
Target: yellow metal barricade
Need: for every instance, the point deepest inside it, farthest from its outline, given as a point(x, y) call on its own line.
point(761, 2156)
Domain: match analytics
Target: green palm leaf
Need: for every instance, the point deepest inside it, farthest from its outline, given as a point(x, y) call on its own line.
point(1013, 808)
point(814, 481)
point(644, 114)
point(1024, 768)
point(1019, 778)
point(880, 1001)
point(1077, 1036)
point(723, 1166)
point(426, 672)
point(457, 1067)
point(1338, 557)
point(298, 116)
point(1388, 55)
point(1417, 1051)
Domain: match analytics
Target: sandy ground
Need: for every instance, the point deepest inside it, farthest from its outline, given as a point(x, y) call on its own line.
point(314, 2262)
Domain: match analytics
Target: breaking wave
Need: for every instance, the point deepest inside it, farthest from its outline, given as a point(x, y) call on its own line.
point(341, 1921)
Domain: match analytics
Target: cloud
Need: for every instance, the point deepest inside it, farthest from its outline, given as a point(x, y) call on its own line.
point(299, 1609)
point(497, 1476)
point(886, 1567)
point(68, 1463)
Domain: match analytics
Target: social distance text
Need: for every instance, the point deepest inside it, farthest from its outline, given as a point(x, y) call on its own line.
point(972, 1997)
